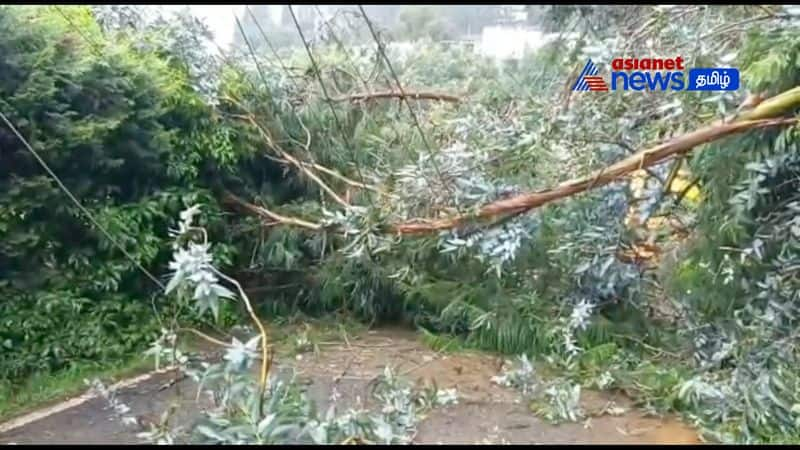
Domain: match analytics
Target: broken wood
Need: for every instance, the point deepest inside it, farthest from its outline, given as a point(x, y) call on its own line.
point(526, 202)
point(267, 214)
point(763, 116)
point(288, 158)
point(392, 94)
point(330, 172)
point(303, 168)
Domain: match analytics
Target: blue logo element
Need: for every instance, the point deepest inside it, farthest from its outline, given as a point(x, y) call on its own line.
point(713, 79)
point(588, 80)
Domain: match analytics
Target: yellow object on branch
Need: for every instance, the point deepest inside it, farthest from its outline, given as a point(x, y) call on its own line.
point(680, 183)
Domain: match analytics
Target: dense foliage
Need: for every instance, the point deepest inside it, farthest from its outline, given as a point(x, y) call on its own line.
point(141, 120)
point(127, 134)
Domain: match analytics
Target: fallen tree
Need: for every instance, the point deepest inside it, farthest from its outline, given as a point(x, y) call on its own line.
point(644, 159)
point(765, 115)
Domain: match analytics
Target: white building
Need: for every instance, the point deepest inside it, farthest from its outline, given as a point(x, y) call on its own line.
point(505, 42)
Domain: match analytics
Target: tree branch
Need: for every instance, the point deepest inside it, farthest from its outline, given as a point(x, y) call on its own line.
point(760, 117)
point(526, 202)
point(267, 214)
point(303, 168)
point(765, 115)
point(400, 95)
point(330, 172)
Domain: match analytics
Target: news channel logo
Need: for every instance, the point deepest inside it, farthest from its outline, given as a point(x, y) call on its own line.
point(655, 74)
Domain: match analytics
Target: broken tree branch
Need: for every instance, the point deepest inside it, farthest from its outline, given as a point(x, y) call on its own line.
point(762, 116)
point(330, 172)
point(765, 115)
point(392, 94)
point(267, 214)
point(303, 168)
point(284, 155)
point(526, 202)
point(343, 178)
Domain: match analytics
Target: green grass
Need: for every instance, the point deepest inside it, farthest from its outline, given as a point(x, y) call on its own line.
point(45, 388)
point(42, 389)
point(284, 332)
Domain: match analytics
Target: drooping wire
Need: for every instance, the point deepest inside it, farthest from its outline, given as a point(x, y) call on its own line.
point(251, 50)
point(340, 44)
point(286, 70)
point(95, 46)
point(408, 105)
point(367, 88)
point(271, 47)
point(278, 59)
point(77, 203)
point(329, 101)
point(97, 51)
point(354, 66)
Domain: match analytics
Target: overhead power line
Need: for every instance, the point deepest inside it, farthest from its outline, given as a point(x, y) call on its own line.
point(77, 202)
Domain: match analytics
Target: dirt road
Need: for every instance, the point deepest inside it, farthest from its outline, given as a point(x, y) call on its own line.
point(485, 413)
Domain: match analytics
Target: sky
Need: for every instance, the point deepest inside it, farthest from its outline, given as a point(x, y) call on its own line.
point(218, 17)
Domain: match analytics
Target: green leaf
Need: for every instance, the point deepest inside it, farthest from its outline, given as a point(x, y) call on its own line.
point(211, 433)
point(265, 423)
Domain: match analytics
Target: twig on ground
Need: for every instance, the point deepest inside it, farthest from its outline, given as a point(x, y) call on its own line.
point(363, 96)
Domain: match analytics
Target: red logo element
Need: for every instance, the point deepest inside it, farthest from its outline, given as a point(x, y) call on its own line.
point(589, 80)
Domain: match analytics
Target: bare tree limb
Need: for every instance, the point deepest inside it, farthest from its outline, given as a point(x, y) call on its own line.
point(762, 116)
point(267, 214)
point(303, 168)
point(330, 172)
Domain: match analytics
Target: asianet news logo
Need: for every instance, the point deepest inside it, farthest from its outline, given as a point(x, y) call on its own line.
point(656, 74)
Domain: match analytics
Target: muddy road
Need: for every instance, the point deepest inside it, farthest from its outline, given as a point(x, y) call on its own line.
point(485, 413)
